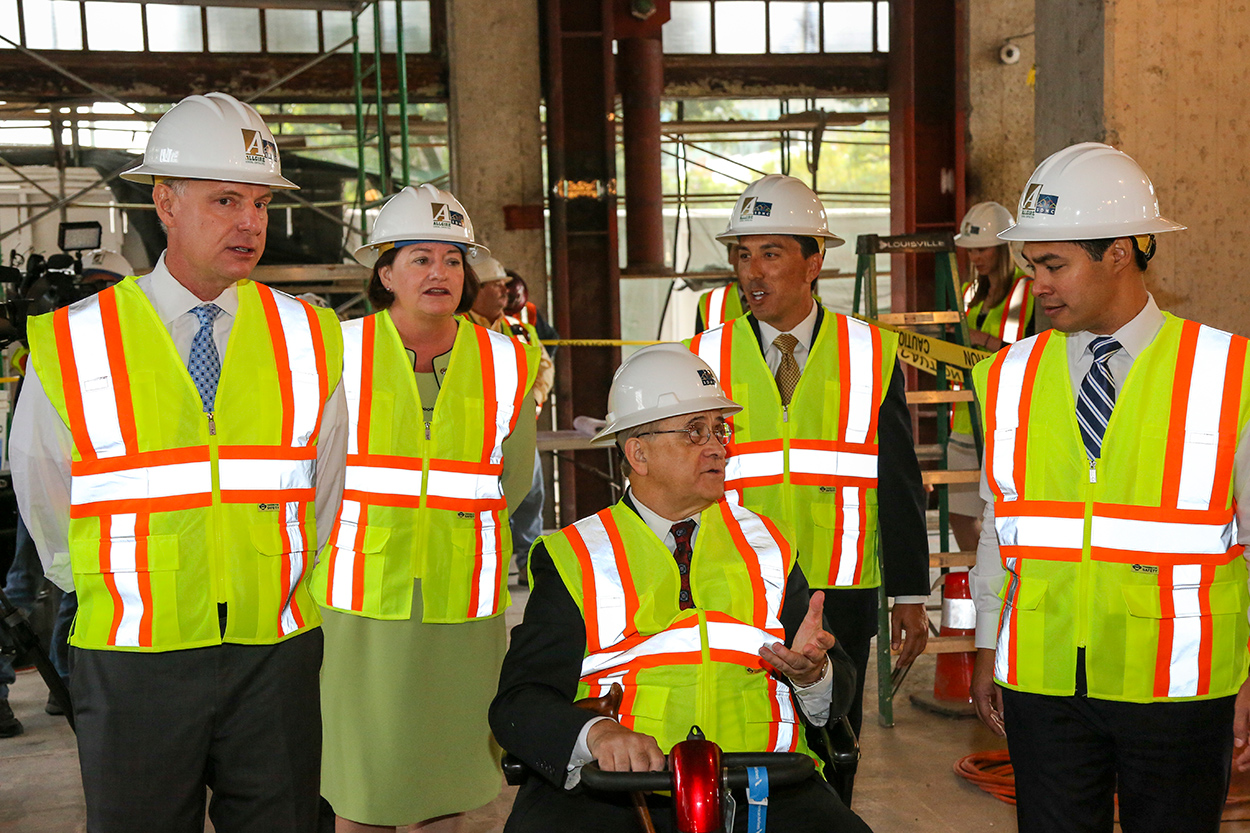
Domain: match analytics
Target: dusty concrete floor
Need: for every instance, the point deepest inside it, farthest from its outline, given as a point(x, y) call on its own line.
point(906, 782)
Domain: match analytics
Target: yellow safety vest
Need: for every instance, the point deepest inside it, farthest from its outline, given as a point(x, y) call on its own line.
point(1133, 557)
point(1008, 322)
point(680, 668)
point(812, 465)
point(720, 305)
point(173, 510)
point(424, 500)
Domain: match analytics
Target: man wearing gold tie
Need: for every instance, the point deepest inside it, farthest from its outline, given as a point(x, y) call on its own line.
point(824, 441)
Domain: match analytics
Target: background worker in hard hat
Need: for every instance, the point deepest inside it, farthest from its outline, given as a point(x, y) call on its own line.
point(520, 307)
point(1117, 470)
point(23, 583)
point(998, 302)
point(626, 595)
point(489, 312)
point(178, 450)
point(414, 579)
point(827, 392)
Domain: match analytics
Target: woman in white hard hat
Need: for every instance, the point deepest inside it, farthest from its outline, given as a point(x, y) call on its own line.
point(414, 579)
point(999, 306)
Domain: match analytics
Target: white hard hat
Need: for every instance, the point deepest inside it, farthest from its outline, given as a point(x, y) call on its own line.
point(981, 225)
point(215, 137)
point(421, 213)
point(105, 260)
point(778, 204)
point(1088, 191)
point(658, 382)
point(489, 270)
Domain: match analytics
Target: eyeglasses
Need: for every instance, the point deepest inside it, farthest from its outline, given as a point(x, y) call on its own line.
point(699, 434)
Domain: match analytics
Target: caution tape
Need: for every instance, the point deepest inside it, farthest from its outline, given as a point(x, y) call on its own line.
point(596, 342)
point(926, 352)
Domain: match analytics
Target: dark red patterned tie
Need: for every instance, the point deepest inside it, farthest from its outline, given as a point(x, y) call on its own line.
point(682, 532)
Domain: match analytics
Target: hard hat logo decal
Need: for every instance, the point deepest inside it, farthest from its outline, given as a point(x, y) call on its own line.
point(257, 149)
point(1046, 203)
point(1030, 199)
point(745, 214)
point(167, 155)
point(707, 377)
point(445, 217)
point(762, 209)
point(971, 229)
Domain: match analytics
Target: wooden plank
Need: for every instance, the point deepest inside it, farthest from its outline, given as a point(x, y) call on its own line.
point(950, 645)
point(933, 477)
point(952, 559)
point(911, 319)
point(931, 397)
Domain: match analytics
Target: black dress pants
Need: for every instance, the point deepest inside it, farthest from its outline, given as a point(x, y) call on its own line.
point(809, 807)
point(851, 615)
point(156, 729)
point(1169, 761)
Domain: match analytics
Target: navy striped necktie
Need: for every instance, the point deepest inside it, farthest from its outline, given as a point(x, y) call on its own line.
point(1097, 396)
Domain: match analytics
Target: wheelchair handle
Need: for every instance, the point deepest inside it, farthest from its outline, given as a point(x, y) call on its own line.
point(784, 768)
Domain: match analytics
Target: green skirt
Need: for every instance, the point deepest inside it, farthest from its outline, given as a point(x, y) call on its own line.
point(404, 709)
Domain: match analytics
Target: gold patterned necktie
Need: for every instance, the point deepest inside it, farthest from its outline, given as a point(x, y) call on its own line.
point(788, 370)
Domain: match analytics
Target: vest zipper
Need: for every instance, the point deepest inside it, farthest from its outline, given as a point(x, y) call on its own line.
point(212, 425)
point(216, 560)
point(1082, 594)
point(785, 413)
point(427, 430)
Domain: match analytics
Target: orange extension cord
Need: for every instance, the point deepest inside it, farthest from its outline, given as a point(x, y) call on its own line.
point(991, 771)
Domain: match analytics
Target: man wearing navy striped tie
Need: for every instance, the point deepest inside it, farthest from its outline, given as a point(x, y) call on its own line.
point(1110, 584)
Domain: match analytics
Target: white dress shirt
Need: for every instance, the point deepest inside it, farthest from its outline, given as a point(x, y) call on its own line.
point(813, 699)
point(41, 444)
point(986, 578)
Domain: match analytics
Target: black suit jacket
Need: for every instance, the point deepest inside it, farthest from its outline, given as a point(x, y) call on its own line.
point(533, 715)
point(900, 492)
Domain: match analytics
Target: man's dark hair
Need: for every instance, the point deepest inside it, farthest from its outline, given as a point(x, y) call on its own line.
point(1097, 249)
point(808, 246)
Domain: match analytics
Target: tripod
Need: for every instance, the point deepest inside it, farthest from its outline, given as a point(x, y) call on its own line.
point(17, 637)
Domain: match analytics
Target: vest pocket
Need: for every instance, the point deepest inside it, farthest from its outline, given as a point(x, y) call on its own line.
point(1145, 601)
point(123, 555)
point(279, 539)
point(1023, 593)
point(649, 708)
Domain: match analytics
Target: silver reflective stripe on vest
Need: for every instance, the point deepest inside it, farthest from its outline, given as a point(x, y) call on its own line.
point(463, 485)
point(266, 475)
point(353, 364)
point(1007, 415)
point(1030, 531)
point(772, 561)
point(1160, 536)
point(1185, 659)
point(741, 465)
point(675, 642)
point(862, 369)
point(831, 462)
point(503, 359)
point(95, 378)
point(1202, 418)
point(609, 597)
point(142, 483)
point(305, 385)
point(123, 565)
point(383, 481)
point(709, 350)
point(295, 555)
point(342, 588)
point(716, 306)
point(1013, 323)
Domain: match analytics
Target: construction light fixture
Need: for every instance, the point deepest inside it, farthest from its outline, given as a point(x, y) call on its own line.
point(79, 237)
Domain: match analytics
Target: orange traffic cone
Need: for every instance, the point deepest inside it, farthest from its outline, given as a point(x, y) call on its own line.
point(952, 679)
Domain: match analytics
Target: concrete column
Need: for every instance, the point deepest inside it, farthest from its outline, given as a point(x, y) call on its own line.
point(495, 131)
point(1163, 80)
point(1000, 96)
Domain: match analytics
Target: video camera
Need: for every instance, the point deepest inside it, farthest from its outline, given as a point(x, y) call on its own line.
point(36, 284)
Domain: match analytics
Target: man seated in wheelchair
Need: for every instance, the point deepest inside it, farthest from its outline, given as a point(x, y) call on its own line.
point(685, 599)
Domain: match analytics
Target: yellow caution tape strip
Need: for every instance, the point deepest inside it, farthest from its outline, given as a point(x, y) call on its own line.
point(926, 352)
point(4, 379)
point(596, 342)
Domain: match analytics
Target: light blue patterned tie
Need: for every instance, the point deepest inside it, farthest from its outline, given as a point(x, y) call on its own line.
point(1097, 397)
point(203, 362)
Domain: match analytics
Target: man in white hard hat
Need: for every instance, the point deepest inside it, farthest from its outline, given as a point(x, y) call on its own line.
point(686, 600)
point(105, 265)
point(824, 439)
point(1112, 647)
point(178, 453)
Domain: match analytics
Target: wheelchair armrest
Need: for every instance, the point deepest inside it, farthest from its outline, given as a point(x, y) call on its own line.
point(515, 772)
point(841, 743)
